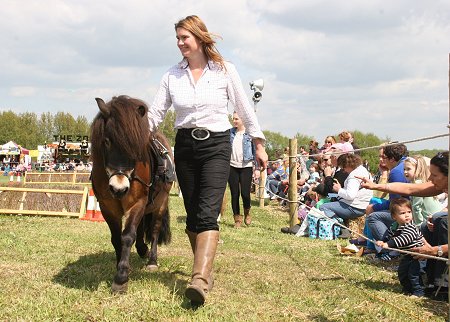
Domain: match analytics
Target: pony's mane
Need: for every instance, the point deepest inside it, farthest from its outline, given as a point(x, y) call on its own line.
point(125, 127)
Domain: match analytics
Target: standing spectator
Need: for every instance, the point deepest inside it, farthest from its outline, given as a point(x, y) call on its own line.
point(241, 170)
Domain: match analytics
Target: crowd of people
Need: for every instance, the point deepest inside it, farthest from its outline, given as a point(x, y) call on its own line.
point(8, 168)
point(68, 166)
point(403, 204)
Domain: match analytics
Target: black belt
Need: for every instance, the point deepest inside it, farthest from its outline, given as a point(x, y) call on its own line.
point(201, 133)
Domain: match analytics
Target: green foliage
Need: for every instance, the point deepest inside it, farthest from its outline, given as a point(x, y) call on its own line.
point(9, 123)
point(167, 127)
point(275, 144)
point(363, 140)
point(29, 130)
point(303, 140)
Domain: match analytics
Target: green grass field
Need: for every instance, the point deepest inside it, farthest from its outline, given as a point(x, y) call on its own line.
point(60, 269)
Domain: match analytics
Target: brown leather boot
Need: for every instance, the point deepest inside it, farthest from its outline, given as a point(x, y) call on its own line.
point(247, 217)
point(237, 221)
point(193, 240)
point(205, 250)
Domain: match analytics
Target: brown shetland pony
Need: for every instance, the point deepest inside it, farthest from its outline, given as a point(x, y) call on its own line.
point(123, 179)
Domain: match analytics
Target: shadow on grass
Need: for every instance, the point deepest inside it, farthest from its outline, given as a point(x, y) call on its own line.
point(89, 271)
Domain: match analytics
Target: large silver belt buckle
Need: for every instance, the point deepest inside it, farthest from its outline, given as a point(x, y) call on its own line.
point(200, 133)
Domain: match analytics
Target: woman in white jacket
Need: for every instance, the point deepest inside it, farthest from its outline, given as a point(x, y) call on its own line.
point(352, 199)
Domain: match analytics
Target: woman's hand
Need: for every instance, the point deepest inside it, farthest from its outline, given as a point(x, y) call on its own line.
point(367, 183)
point(426, 249)
point(336, 186)
point(328, 171)
point(260, 153)
point(430, 224)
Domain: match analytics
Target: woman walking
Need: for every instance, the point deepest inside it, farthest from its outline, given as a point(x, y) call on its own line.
point(199, 88)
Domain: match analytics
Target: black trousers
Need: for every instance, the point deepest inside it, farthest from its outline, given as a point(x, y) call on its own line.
point(202, 169)
point(240, 182)
point(436, 269)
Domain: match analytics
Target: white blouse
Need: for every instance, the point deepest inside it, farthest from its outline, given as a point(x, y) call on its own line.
point(205, 103)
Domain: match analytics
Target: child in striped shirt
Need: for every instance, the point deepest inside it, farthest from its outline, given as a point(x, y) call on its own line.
point(403, 234)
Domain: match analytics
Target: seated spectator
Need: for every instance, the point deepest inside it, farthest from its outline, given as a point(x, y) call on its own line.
point(352, 200)
point(416, 171)
point(344, 143)
point(273, 181)
point(378, 216)
point(332, 171)
point(437, 237)
point(302, 151)
point(318, 197)
point(313, 150)
point(329, 141)
point(366, 164)
point(403, 234)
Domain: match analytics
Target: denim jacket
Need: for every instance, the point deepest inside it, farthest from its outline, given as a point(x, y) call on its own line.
point(248, 147)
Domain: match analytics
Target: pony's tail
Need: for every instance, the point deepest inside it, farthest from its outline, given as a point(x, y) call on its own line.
point(165, 234)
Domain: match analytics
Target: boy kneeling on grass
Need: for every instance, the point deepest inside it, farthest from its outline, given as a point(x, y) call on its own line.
point(403, 234)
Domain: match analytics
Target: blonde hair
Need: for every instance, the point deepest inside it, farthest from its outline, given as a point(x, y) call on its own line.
point(345, 136)
point(422, 171)
point(332, 139)
point(197, 27)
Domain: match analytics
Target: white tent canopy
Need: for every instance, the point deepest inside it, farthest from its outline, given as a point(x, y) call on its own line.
point(10, 148)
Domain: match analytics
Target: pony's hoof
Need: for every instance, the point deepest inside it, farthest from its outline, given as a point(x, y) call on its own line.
point(151, 268)
point(119, 288)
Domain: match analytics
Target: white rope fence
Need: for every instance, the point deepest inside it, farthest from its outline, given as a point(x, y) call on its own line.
point(381, 145)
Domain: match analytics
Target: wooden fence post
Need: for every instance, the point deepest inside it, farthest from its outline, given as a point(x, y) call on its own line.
point(262, 186)
point(292, 194)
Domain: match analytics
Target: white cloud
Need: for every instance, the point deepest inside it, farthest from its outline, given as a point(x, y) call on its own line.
point(374, 66)
point(23, 91)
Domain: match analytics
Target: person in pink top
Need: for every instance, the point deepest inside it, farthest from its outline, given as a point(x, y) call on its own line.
point(345, 139)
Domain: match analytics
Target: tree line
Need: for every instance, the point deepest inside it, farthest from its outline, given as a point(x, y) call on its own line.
point(30, 130)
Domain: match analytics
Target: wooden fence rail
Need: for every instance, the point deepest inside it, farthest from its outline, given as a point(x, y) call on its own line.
point(45, 202)
point(76, 178)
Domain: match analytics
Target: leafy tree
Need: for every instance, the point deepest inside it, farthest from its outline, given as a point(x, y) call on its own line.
point(28, 135)
point(64, 125)
point(167, 127)
point(303, 140)
point(9, 123)
point(368, 140)
point(46, 128)
point(82, 126)
point(275, 144)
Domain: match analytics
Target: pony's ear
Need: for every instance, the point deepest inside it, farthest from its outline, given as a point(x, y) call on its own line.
point(141, 110)
point(102, 106)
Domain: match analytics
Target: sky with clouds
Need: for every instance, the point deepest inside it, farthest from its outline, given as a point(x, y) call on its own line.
point(379, 67)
